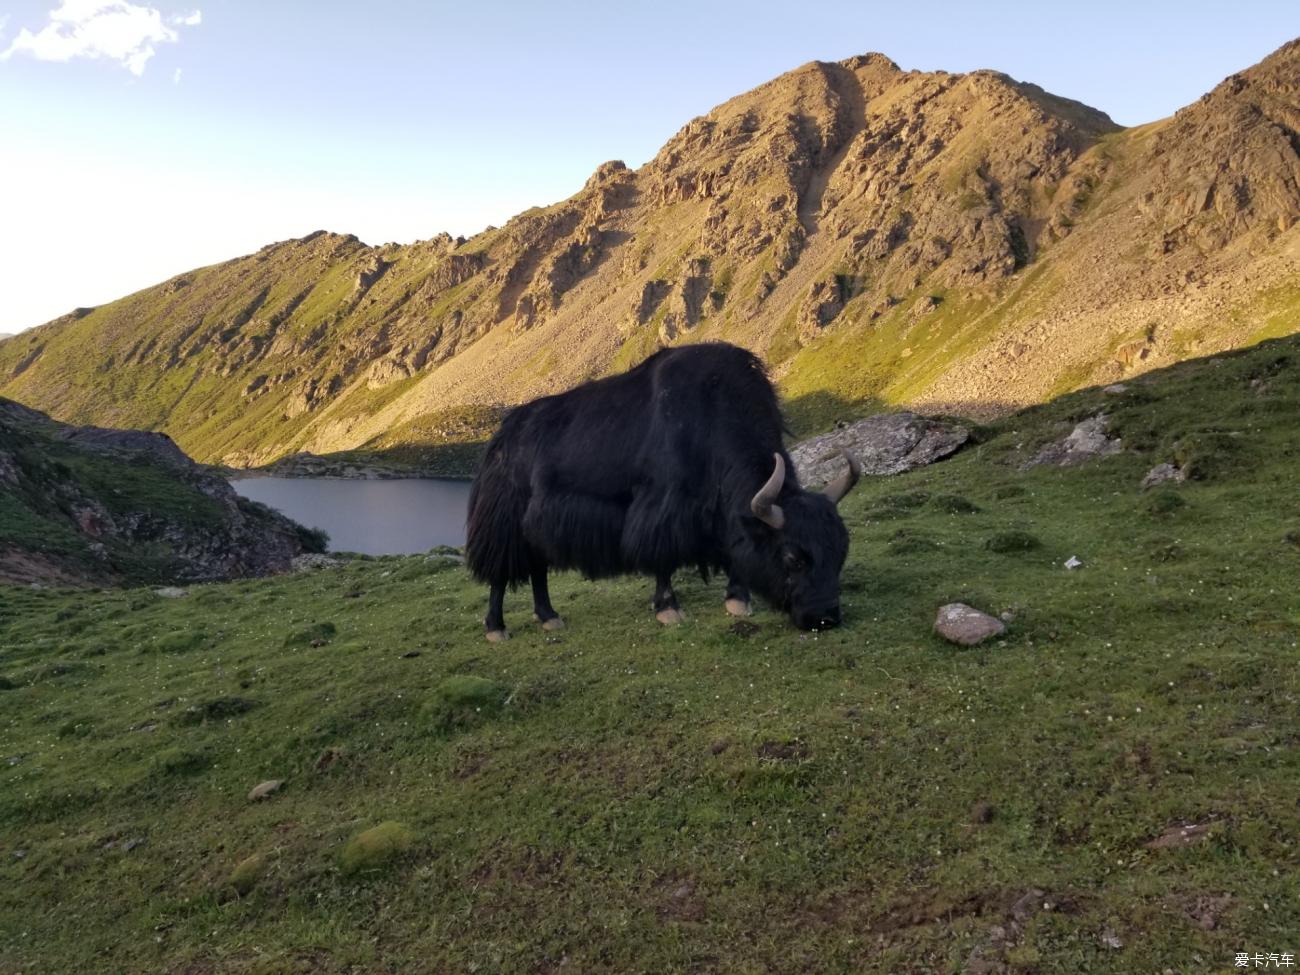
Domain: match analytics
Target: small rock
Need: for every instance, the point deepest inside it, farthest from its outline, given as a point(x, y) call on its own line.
point(1115, 389)
point(1007, 616)
point(965, 625)
point(307, 563)
point(410, 654)
point(171, 592)
point(1073, 563)
point(1111, 940)
point(20, 854)
point(265, 789)
point(1162, 473)
point(131, 844)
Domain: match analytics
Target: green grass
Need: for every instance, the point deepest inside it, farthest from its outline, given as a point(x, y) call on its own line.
point(618, 797)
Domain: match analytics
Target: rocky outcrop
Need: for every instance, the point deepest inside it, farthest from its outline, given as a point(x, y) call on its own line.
point(102, 505)
point(1087, 441)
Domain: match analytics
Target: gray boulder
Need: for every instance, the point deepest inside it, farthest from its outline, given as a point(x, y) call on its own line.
point(887, 443)
point(1162, 474)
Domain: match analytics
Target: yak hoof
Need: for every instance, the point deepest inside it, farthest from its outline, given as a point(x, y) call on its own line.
point(670, 616)
point(498, 636)
point(554, 623)
point(738, 607)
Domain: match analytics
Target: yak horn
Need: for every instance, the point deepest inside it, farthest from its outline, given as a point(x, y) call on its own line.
point(764, 504)
point(843, 484)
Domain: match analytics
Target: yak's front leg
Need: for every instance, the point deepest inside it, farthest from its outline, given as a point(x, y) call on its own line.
point(543, 611)
point(666, 609)
point(737, 598)
point(495, 623)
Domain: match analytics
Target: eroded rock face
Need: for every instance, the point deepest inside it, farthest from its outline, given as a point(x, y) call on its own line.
point(189, 521)
point(888, 443)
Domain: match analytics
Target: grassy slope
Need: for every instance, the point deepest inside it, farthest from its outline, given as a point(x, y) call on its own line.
point(695, 799)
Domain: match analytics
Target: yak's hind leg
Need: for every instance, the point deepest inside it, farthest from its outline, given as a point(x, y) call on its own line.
point(666, 609)
point(543, 611)
point(495, 623)
point(737, 598)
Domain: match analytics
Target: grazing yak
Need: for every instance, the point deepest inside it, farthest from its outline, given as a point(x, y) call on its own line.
point(677, 462)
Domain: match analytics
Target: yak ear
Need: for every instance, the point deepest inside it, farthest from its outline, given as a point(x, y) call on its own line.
point(763, 504)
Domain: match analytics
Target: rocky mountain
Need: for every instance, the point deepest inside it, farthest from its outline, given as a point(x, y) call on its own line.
point(961, 243)
point(88, 504)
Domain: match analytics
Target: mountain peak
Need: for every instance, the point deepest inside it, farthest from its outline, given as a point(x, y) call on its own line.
point(965, 242)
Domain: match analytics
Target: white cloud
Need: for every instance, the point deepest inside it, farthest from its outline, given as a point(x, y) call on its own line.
point(176, 77)
point(114, 29)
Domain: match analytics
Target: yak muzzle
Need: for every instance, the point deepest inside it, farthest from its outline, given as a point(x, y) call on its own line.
point(821, 619)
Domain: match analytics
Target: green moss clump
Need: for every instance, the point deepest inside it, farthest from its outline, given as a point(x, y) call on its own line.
point(181, 761)
point(1208, 455)
point(908, 499)
point(1165, 502)
point(954, 504)
point(376, 847)
point(181, 641)
point(248, 873)
point(907, 542)
point(217, 709)
point(464, 700)
point(1012, 541)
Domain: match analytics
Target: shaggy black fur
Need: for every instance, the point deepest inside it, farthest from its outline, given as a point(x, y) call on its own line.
point(647, 472)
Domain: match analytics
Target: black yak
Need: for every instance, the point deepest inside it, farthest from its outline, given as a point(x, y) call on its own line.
point(677, 462)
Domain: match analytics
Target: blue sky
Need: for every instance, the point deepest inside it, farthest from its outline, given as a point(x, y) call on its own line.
point(179, 134)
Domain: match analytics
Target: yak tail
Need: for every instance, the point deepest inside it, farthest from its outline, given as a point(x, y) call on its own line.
point(495, 548)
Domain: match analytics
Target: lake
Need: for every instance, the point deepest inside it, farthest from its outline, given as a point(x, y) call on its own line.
point(391, 517)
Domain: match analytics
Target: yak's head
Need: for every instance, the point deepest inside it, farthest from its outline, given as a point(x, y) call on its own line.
point(792, 553)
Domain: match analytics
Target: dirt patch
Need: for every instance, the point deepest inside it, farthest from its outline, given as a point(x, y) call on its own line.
point(678, 898)
point(1203, 910)
point(783, 751)
point(525, 867)
point(1177, 836)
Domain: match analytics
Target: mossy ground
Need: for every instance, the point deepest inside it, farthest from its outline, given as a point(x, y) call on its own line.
point(721, 796)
